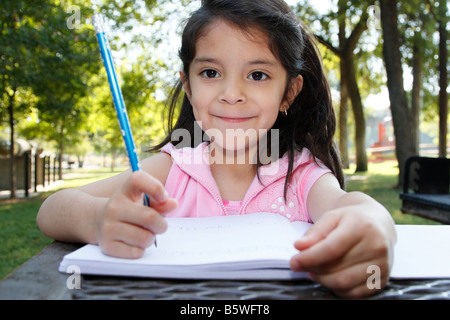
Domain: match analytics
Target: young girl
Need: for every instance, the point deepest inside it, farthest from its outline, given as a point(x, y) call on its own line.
point(253, 86)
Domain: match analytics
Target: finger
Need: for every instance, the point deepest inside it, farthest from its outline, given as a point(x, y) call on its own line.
point(166, 207)
point(134, 236)
point(327, 253)
point(317, 232)
point(144, 217)
point(130, 233)
point(121, 249)
point(141, 182)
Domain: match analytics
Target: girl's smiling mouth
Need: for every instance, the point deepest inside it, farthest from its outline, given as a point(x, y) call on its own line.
point(234, 119)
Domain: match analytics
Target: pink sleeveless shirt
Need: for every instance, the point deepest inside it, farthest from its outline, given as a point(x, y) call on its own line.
point(190, 182)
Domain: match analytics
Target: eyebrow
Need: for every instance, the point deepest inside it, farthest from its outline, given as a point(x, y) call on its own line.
point(253, 62)
point(263, 62)
point(205, 59)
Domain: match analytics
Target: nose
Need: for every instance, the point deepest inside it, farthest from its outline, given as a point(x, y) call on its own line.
point(232, 92)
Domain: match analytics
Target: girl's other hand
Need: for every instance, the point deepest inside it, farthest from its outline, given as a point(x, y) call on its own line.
point(339, 248)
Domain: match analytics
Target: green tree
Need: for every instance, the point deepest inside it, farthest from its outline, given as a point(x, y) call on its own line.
point(348, 22)
point(140, 84)
point(407, 30)
point(48, 56)
point(17, 34)
point(68, 58)
point(401, 117)
point(43, 54)
point(416, 27)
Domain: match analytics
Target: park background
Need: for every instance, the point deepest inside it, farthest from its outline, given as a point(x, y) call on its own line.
point(386, 62)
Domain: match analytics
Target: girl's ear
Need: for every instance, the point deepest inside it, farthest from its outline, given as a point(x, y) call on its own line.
point(295, 87)
point(185, 82)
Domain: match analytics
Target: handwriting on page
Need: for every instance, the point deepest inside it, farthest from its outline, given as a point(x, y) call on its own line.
point(199, 243)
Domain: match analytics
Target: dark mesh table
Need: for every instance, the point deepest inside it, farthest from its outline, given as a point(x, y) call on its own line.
point(38, 278)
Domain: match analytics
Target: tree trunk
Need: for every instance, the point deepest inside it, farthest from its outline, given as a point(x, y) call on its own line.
point(12, 166)
point(345, 51)
point(351, 83)
point(343, 123)
point(60, 158)
point(61, 148)
point(416, 96)
point(343, 106)
point(358, 113)
point(404, 140)
point(113, 159)
point(443, 96)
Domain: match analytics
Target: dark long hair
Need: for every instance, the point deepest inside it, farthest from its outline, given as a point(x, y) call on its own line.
point(311, 121)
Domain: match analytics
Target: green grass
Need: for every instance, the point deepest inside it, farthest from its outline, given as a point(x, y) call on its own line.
point(20, 238)
point(380, 183)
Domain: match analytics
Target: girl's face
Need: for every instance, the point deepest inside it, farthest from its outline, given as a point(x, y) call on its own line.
point(236, 85)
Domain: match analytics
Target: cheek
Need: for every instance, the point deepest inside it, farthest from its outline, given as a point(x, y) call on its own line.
point(271, 110)
point(201, 99)
point(198, 109)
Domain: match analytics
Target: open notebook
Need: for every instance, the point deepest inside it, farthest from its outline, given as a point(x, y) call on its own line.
point(253, 246)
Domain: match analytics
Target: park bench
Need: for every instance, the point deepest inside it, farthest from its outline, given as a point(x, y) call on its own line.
point(426, 188)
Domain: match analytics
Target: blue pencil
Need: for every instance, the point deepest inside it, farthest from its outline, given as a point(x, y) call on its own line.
point(119, 103)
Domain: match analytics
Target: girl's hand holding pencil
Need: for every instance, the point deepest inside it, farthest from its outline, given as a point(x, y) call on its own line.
point(125, 228)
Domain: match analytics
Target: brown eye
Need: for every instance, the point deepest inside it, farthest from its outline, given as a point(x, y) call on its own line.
point(258, 76)
point(210, 73)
